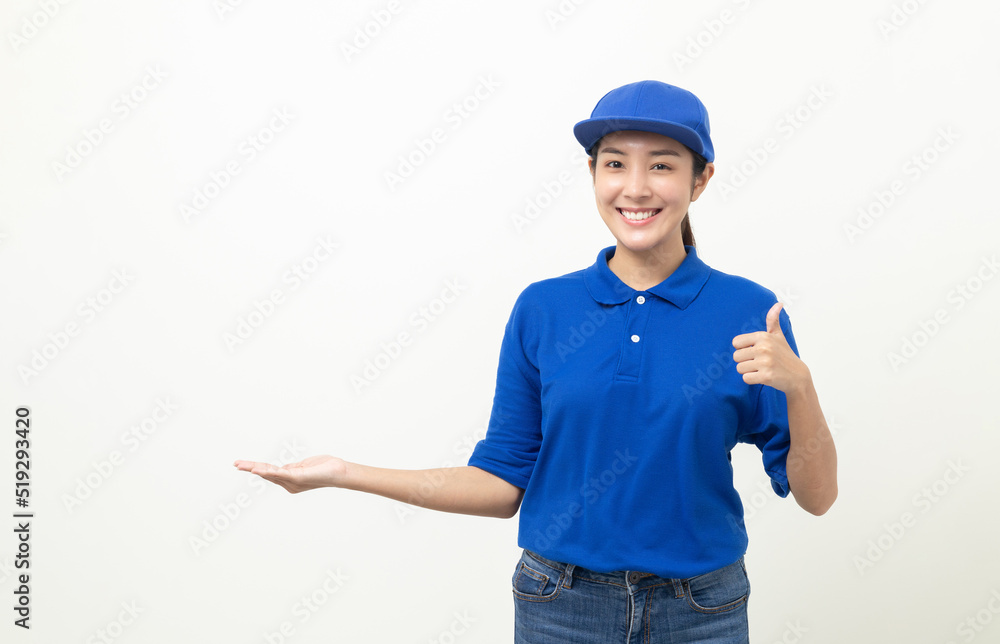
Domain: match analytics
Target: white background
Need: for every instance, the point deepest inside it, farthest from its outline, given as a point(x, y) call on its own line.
point(907, 554)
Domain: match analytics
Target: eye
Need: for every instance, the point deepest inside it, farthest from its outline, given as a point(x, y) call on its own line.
point(614, 164)
point(661, 166)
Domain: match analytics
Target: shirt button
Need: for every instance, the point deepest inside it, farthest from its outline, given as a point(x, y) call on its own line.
point(640, 300)
point(635, 338)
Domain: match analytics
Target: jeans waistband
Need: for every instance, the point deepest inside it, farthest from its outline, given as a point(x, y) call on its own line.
point(622, 577)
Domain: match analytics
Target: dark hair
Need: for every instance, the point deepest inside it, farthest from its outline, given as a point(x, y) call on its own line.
point(697, 167)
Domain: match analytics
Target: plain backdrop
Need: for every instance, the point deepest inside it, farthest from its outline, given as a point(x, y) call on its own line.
point(203, 252)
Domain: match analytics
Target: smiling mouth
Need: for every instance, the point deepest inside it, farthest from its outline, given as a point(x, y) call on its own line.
point(638, 215)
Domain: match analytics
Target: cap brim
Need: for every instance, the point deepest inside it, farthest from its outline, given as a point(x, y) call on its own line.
point(590, 131)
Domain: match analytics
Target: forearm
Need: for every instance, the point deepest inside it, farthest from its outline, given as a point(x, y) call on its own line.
point(463, 490)
point(812, 456)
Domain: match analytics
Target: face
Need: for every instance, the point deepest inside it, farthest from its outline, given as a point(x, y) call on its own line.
point(643, 184)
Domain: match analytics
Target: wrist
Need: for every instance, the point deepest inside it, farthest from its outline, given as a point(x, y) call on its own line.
point(802, 387)
point(350, 479)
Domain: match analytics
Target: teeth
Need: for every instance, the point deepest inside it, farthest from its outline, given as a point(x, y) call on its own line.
point(638, 216)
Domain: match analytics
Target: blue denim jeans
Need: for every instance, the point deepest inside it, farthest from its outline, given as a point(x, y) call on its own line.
point(557, 603)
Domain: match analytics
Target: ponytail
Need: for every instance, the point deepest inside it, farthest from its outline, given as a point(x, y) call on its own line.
point(686, 233)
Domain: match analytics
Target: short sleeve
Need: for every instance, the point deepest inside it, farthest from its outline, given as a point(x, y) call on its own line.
point(514, 434)
point(767, 426)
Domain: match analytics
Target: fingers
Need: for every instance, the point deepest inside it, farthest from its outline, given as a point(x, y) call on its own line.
point(244, 466)
point(748, 339)
point(754, 362)
point(247, 466)
point(773, 325)
point(259, 468)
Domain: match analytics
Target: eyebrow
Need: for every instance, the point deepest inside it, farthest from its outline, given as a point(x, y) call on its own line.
point(654, 153)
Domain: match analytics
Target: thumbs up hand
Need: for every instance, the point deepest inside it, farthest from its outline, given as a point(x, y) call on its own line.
point(765, 357)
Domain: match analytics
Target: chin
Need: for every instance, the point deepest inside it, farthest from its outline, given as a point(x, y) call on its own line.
point(645, 243)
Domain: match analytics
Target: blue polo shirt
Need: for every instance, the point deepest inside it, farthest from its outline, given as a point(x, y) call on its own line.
point(616, 411)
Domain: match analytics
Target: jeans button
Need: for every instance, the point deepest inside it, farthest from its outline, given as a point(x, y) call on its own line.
point(634, 577)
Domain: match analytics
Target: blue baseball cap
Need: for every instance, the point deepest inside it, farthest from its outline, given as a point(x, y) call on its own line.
point(649, 106)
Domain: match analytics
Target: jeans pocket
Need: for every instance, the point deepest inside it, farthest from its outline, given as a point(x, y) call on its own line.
point(718, 591)
point(535, 581)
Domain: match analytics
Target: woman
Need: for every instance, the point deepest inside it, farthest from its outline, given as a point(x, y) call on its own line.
point(619, 397)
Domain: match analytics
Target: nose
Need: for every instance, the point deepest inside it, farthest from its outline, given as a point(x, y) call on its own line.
point(637, 184)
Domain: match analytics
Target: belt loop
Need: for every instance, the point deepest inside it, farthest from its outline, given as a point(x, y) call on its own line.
point(568, 576)
point(678, 588)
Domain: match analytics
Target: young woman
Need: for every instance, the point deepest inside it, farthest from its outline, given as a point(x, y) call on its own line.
point(621, 390)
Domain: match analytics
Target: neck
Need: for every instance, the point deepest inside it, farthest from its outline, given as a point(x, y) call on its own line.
point(642, 270)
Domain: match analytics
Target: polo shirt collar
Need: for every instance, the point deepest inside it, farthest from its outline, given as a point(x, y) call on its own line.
point(680, 289)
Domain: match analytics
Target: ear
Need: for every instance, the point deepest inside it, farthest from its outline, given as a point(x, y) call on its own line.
point(702, 182)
